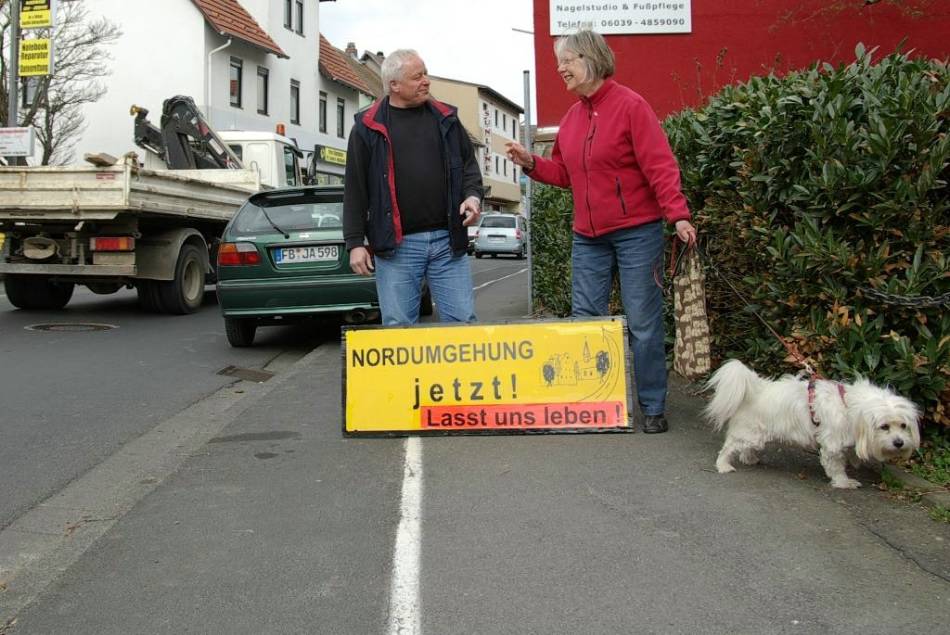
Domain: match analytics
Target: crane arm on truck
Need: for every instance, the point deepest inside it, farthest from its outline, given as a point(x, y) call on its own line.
point(185, 140)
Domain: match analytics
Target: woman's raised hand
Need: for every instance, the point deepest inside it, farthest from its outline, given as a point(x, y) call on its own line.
point(517, 153)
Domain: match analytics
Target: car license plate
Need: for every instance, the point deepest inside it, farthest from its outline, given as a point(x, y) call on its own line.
point(496, 239)
point(315, 253)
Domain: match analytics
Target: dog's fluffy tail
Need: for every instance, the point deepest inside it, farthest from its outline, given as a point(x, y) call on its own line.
point(731, 383)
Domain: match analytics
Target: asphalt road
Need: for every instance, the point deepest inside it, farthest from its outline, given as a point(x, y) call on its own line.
point(70, 398)
point(278, 524)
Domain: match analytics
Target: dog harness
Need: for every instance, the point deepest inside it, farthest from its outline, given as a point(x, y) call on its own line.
point(811, 399)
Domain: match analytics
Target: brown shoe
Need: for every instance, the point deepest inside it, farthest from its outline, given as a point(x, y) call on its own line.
point(654, 424)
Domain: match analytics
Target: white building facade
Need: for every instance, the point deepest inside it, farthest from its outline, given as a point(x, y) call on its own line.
point(248, 65)
point(341, 95)
point(493, 120)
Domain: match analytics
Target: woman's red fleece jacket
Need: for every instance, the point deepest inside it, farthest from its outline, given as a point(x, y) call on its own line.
point(616, 159)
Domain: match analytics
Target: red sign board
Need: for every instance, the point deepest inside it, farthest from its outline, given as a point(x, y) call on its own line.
point(733, 40)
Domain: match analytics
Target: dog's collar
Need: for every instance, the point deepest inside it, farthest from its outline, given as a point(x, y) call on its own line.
point(811, 399)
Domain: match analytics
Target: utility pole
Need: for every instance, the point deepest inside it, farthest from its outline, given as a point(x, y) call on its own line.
point(13, 83)
point(527, 198)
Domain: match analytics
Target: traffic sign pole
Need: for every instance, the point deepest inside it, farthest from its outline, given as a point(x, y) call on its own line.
point(13, 83)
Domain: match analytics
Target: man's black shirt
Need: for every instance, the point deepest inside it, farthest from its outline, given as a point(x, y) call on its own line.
point(421, 190)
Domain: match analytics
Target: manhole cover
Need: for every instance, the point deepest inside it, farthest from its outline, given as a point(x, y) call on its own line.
point(247, 374)
point(73, 327)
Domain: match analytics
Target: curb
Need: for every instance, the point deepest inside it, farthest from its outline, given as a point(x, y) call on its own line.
point(932, 495)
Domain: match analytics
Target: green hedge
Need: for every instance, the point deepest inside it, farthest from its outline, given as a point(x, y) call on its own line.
point(551, 219)
point(821, 198)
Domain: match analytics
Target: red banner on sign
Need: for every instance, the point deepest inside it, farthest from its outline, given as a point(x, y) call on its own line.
point(560, 416)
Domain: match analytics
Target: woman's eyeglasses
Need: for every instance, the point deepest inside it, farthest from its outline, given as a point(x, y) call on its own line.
point(568, 60)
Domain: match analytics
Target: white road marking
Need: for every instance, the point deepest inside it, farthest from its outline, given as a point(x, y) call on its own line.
point(491, 282)
point(404, 600)
point(511, 275)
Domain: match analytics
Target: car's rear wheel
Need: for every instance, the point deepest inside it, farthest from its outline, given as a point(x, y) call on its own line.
point(240, 332)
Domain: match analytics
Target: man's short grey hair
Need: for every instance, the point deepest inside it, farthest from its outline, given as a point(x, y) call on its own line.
point(590, 46)
point(391, 68)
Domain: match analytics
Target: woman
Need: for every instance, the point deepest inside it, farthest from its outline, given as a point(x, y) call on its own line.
point(616, 159)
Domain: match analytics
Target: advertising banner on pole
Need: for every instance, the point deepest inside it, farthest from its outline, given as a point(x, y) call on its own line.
point(36, 57)
point(36, 14)
point(544, 376)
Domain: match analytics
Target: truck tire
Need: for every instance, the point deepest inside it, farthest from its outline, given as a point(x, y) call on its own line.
point(184, 294)
point(147, 291)
point(37, 292)
point(240, 332)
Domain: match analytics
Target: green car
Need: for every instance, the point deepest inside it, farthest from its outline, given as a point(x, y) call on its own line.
point(282, 259)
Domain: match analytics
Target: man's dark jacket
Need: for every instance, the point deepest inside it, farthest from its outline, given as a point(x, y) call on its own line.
point(370, 207)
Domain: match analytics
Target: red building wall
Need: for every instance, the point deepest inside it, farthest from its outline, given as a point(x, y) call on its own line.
point(733, 40)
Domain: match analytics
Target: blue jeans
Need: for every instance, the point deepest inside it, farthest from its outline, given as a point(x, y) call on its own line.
point(637, 253)
point(424, 255)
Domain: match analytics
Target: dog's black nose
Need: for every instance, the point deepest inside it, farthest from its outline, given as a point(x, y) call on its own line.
point(898, 443)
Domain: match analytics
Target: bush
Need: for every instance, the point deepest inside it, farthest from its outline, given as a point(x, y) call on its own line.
point(821, 198)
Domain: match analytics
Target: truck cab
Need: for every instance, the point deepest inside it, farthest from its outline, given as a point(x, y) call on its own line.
point(275, 157)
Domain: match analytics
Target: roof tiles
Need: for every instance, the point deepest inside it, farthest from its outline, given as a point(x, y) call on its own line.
point(333, 65)
point(230, 18)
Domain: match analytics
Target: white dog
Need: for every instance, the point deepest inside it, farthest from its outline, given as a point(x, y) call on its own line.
point(840, 420)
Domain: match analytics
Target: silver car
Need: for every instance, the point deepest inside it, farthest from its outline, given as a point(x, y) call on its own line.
point(502, 234)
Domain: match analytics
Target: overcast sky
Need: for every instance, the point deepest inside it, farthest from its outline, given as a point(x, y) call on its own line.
point(469, 40)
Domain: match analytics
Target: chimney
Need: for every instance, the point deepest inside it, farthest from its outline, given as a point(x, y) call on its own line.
point(351, 49)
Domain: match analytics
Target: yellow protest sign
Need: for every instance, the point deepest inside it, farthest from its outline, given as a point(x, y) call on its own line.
point(544, 376)
point(35, 57)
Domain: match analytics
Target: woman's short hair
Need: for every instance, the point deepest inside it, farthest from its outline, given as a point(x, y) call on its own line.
point(391, 68)
point(590, 46)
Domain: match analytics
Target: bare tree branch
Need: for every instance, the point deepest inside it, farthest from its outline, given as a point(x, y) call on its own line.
point(81, 60)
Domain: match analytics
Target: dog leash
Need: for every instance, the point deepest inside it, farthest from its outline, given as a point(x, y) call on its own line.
point(814, 376)
point(790, 347)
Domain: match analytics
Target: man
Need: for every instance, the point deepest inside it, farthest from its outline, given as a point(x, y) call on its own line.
point(412, 187)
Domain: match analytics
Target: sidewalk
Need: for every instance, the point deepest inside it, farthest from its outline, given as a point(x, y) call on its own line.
point(280, 525)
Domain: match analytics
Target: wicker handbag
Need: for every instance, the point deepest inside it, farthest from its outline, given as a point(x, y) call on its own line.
point(691, 357)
